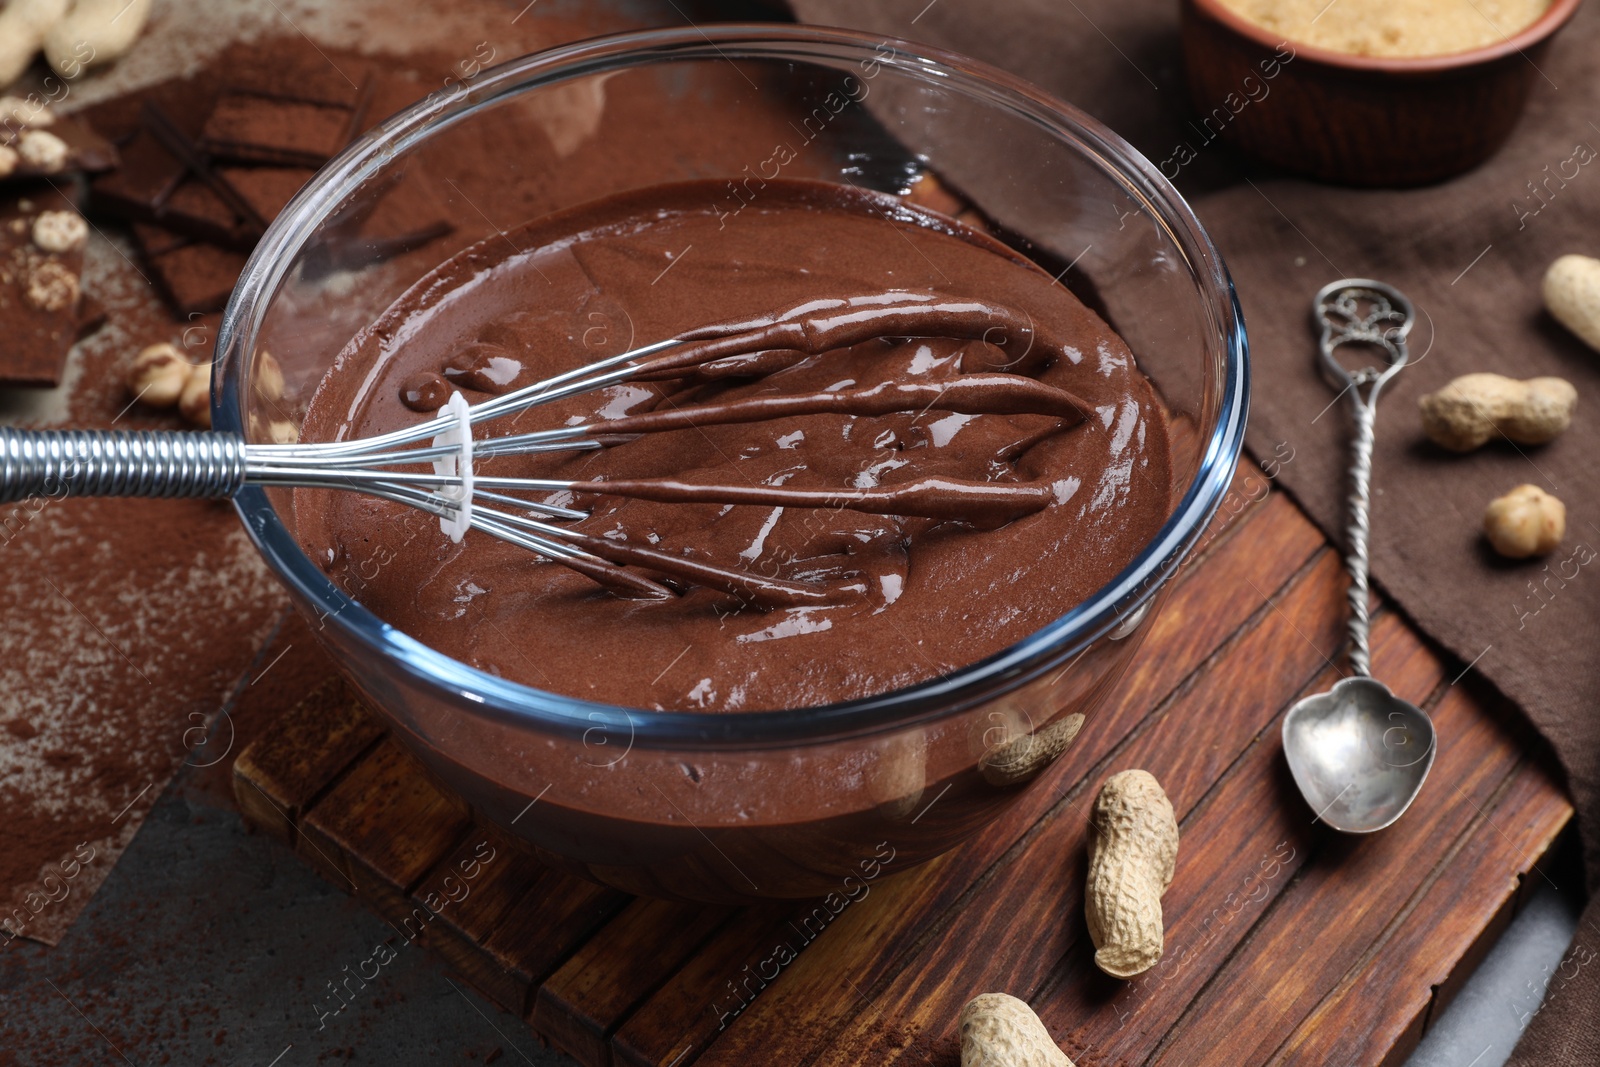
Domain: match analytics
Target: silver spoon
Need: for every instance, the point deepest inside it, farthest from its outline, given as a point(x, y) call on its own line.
point(1359, 753)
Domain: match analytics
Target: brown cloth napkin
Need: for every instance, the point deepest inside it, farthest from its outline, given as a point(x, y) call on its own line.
point(1470, 253)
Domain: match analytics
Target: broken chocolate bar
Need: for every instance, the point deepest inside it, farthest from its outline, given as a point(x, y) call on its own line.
point(152, 186)
point(198, 165)
point(60, 147)
point(169, 179)
point(36, 142)
point(39, 293)
point(201, 183)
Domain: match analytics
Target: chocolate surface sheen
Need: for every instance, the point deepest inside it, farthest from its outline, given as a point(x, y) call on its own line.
point(1030, 448)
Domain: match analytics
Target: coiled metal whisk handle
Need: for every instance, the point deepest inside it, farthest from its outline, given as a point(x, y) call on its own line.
point(58, 463)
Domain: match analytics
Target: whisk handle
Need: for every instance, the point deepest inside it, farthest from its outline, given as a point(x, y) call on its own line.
point(38, 464)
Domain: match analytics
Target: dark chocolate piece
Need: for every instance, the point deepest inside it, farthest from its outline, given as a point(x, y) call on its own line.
point(154, 187)
point(198, 210)
point(169, 178)
point(195, 276)
point(282, 128)
point(248, 128)
point(174, 140)
point(267, 189)
point(91, 315)
point(156, 240)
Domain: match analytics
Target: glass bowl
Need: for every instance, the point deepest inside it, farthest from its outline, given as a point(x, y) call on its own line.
point(702, 807)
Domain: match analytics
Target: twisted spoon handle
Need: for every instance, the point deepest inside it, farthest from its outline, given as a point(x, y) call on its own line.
point(56, 463)
point(1360, 526)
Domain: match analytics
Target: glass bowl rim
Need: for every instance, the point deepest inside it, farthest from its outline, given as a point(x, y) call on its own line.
point(949, 694)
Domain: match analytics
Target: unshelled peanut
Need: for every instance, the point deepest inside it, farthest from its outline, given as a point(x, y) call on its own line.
point(1022, 759)
point(93, 32)
point(998, 1030)
point(1572, 296)
point(1476, 408)
point(23, 25)
point(1133, 851)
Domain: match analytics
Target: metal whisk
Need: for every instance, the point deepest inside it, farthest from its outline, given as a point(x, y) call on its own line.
point(433, 465)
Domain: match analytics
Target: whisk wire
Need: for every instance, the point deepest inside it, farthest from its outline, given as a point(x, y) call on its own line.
point(432, 465)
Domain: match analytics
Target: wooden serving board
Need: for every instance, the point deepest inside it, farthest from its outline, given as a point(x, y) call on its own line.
point(1286, 942)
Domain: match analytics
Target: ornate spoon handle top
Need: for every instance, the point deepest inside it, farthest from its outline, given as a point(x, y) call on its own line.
point(1377, 317)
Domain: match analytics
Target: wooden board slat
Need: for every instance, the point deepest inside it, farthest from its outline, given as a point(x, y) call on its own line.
point(1397, 919)
point(474, 886)
point(279, 776)
point(625, 962)
point(387, 822)
point(548, 923)
point(1431, 947)
point(714, 983)
point(459, 903)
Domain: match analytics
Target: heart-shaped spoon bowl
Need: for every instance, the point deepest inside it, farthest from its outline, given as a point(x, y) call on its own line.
point(1358, 753)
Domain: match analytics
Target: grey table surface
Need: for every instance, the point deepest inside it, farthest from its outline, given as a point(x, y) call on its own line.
point(210, 945)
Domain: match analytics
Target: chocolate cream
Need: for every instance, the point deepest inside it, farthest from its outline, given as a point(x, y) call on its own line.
point(899, 448)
